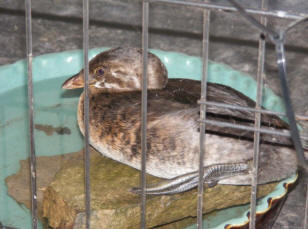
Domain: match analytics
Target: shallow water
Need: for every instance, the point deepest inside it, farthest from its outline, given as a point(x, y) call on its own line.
point(56, 129)
point(56, 132)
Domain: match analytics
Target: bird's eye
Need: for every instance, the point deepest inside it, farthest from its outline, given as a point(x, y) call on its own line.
point(99, 71)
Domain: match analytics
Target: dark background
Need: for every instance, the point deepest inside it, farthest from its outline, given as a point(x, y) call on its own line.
point(57, 26)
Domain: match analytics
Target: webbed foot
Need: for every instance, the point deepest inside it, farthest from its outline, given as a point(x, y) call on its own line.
point(212, 174)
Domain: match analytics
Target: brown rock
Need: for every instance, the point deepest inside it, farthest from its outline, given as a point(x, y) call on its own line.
point(60, 179)
point(19, 184)
point(114, 206)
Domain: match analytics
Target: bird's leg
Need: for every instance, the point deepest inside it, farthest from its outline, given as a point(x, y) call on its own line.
point(169, 184)
point(212, 174)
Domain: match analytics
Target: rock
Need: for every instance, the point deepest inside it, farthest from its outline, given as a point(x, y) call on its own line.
point(114, 206)
point(19, 184)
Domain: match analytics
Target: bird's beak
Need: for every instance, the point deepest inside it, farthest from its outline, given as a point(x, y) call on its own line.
point(76, 81)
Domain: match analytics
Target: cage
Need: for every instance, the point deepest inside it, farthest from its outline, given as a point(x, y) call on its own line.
point(175, 26)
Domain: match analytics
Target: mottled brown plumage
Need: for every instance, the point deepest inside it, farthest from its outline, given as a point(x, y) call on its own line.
point(173, 128)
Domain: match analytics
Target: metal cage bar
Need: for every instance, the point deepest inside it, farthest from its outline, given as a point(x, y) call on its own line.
point(258, 109)
point(285, 133)
point(306, 210)
point(278, 14)
point(282, 72)
point(203, 103)
point(205, 56)
point(278, 39)
point(31, 115)
point(144, 102)
point(256, 143)
point(238, 107)
point(86, 111)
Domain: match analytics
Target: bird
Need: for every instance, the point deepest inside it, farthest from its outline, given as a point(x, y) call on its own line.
point(173, 126)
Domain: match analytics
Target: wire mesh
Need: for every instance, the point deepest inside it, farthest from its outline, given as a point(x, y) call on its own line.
point(207, 7)
point(278, 41)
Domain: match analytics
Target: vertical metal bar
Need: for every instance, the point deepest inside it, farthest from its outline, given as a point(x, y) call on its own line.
point(278, 40)
point(145, 44)
point(306, 210)
point(261, 57)
point(205, 46)
point(31, 115)
point(86, 110)
point(281, 62)
point(256, 153)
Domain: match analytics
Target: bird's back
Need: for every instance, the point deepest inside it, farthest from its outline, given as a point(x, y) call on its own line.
point(172, 127)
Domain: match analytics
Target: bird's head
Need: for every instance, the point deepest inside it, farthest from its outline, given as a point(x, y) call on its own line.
point(120, 70)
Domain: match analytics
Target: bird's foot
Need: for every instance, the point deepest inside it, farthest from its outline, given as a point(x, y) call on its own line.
point(211, 176)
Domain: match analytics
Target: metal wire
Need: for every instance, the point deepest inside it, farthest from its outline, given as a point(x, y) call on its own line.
point(256, 144)
point(31, 115)
point(252, 20)
point(278, 40)
point(205, 56)
point(249, 128)
point(295, 23)
point(86, 110)
point(278, 14)
point(306, 210)
point(237, 107)
point(286, 95)
point(145, 32)
point(282, 72)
